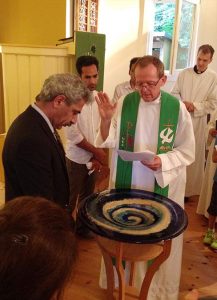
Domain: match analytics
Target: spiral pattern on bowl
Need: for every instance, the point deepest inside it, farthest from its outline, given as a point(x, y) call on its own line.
point(133, 216)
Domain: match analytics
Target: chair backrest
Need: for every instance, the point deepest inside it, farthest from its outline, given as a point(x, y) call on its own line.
point(2, 139)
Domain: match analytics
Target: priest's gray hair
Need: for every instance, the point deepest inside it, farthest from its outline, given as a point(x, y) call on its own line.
point(69, 85)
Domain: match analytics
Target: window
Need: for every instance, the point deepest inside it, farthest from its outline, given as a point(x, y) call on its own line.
point(174, 32)
point(81, 15)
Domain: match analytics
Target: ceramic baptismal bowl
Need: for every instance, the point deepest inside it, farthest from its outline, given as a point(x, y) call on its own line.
point(133, 216)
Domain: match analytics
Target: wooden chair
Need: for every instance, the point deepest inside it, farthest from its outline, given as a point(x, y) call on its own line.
point(133, 253)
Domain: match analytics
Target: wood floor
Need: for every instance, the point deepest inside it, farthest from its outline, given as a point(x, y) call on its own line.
point(199, 268)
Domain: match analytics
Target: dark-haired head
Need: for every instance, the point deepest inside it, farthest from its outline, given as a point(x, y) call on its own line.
point(132, 63)
point(88, 67)
point(131, 71)
point(86, 61)
point(37, 249)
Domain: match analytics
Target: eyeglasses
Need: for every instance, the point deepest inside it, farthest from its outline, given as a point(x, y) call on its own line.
point(148, 84)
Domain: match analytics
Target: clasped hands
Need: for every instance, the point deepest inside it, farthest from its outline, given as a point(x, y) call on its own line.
point(189, 105)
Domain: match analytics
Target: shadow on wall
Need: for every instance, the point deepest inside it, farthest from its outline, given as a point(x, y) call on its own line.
point(117, 66)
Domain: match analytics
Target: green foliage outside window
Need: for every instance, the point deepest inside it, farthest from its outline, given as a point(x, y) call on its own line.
point(164, 22)
point(164, 18)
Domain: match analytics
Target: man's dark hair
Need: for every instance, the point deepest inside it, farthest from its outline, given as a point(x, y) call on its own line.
point(132, 62)
point(37, 249)
point(206, 49)
point(85, 61)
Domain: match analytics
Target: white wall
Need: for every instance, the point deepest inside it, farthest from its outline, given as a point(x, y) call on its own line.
point(122, 22)
point(207, 33)
point(126, 25)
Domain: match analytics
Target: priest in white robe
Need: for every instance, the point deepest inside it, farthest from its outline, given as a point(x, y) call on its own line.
point(197, 88)
point(166, 169)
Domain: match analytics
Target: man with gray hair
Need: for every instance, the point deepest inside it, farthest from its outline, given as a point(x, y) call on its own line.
point(33, 157)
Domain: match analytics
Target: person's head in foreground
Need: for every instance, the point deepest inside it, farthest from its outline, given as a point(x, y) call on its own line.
point(149, 77)
point(37, 250)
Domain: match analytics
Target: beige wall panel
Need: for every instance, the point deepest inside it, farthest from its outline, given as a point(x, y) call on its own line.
point(35, 79)
point(10, 87)
point(24, 70)
point(63, 65)
point(23, 84)
point(2, 113)
point(67, 64)
point(48, 66)
point(42, 67)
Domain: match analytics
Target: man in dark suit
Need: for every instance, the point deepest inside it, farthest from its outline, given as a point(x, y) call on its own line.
point(33, 156)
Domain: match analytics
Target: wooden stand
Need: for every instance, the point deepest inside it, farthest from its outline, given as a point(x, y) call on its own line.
point(131, 253)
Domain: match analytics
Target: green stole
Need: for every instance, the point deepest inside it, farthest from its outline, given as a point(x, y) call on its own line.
point(169, 113)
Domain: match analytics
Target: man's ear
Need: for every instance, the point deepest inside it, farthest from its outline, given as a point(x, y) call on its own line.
point(58, 100)
point(163, 80)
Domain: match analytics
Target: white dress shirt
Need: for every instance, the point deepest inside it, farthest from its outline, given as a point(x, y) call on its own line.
point(122, 89)
point(87, 127)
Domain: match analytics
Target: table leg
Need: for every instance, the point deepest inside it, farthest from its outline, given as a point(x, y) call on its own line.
point(120, 271)
point(109, 274)
point(153, 268)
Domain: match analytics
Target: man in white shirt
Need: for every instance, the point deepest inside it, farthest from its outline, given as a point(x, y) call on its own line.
point(83, 159)
point(197, 88)
point(126, 87)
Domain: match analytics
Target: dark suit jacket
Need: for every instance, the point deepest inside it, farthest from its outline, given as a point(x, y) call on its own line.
point(33, 161)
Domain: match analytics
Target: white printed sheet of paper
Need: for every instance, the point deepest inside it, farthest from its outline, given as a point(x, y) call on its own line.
point(136, 156)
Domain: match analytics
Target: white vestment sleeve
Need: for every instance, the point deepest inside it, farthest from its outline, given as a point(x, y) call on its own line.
point(116, 95)
point(176, 90)
point(182, 154)
point(209, 104)
point(110, 142)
